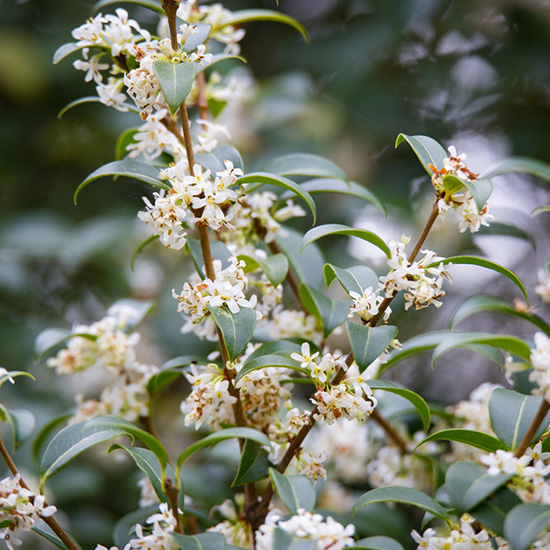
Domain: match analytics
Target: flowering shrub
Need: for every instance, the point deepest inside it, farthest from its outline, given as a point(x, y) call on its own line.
point(312, 461)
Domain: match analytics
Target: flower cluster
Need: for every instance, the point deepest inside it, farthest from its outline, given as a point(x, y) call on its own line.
point(366, 305)
point(540, 360)
point(19, 509)
point(421, 280)
point(543, 288)
point(328, 533)
point(108, 348)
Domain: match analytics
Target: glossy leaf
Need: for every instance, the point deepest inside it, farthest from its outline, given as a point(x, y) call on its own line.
point(476, 439)
point(481, 190)
point(368, 343)
point(129, 168)
point(482, 262)
point(353, 279)
point(218, 249)
point(195, 39)
point(45, 432)
point(511, 414)
point(507, 229)
point(50, 338)
point(9, 375)
point(236, 328)
point(270, 361)
point(426, 149)
point(524, 523)
point(377, 543)
point(121, 534)
point(176, 80)
point(63, 51)
point(275, 267)
point(172, 370)
point(275, 347)
point(52, 538)
point(511, 344)
point(254, 464)
point(520, 164)
point(265, 178)
point(302, 164)
point(416, 400)
point(294, 491)
point(222, 435)
point(140, 249)
point(492, 513)
point(92, 99)
point(245, 16)
point(338, 229)
point(204, 541)
point(124, 139)
point(218, 156)
point(151, 4)
point(283, 540)
point(21, 423)
point(484, 302)
point(468, 484)
point(331, 313)
point(404, 495)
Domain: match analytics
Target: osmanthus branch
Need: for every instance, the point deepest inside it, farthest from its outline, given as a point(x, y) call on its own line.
point(532, 430)
point(50, 520)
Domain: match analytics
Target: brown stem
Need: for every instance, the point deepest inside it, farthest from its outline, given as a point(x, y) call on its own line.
point(49, 521)
point(201, 99)
point(185, 126)
point(392, 433)
point(173, 127)
point(532, 430)
point(171, 491)
point(170, 7)
point(433, 215)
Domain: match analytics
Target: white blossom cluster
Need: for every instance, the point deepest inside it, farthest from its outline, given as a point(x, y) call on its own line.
point(540, 360)
point(109, 349)
point(156, 537)
point(235, 530)
point(20, 508)
point(543, 288)
point(530, 472)
point(461, 202)
point(421, 283)
point(228, 288)
point(329, 534)
point(366, 305)
point(291, 323)
point(192, 199)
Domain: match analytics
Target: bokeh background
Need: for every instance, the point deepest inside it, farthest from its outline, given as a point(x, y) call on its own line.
point(469, 73)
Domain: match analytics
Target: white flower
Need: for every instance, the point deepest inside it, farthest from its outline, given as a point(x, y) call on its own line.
point(543, 289)
point(540, 360)
point(110, 94)
point(305, 358)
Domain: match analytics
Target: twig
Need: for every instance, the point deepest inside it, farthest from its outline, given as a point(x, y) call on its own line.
point(532, 430)
point(171, 491)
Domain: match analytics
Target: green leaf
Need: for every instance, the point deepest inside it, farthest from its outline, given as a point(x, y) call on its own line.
point(492, 513)
point(331, 313)
point(452, 184)
point(65, 50)
point(329, 185)
point(339, 229)
point(236, 328)
point(176, 80)
point(377, 543)
point(524, 523)
point(216, 58)
point(405, 495)
point(294, 491)
point(368, 343)
point(45, 432)
point(215, 160)
point(283, 540)
point(482, 262)
point(484, 302)
point(126, 524)
point(354, 279)
point(246, 16)
point(276, 347)
point(21, 423)
point(217, 437)
point(480, 440)
point(540, 210)
point(53, 539)
point(172, 370)
point(14, 374)
point(204, 541)
point(129, 168)
point(92, 99)
point(510, 344)
point(506, 229)
point(468, 484)
point(426, 149)
point(481, 190)
point(195, 39)
point(301, 164)
point(270, 361)
point(511, 414)
point(151, 4)
point(520, 164)
point(417, 401)
point(265, 178)
point(122, 142)
point(254, 464)
point(218, 249)
point(140, 249)
point(275, 267)
point(52, 337)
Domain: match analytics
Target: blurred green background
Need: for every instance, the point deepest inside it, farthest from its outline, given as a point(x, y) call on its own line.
point(474, 74)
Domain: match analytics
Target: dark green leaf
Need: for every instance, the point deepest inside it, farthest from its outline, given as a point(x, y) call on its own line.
point(283, 540)
point(276, 347)
point(129, 168)
point(125, 525)
point(275, 267)
point(354, 279)
point(176, 80)
point(405, 495)
point(269, 361)
point(254, 464)
point(492, 513)
point(124, 139)
point(368, 343)
point(91, 99)
point(236, 328)
point(21, 423)
point(151, 4)
point(468, 484)
point(480, 440)
point(426, 149)
point(507, 229)
point(524, 523)
point(481, 262)
point(52, 538)
point(279, 181)
point(228, 152)
point(45, 432)
point(246, 16)
point(377, 543)
point(417, 401)
point(520, 164)
point(511, 414)
point(301, 164)
point(331, 313)
point(294, 491)
point(483, 302)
